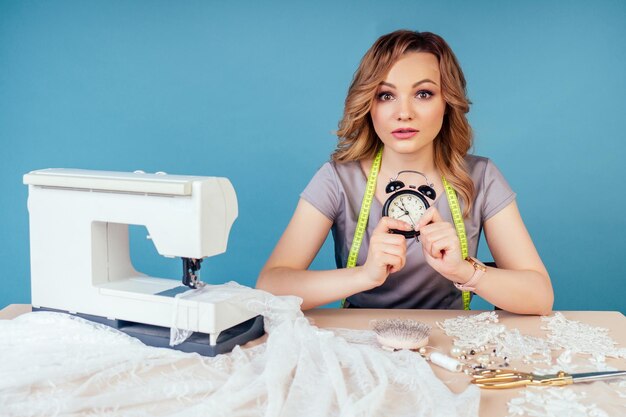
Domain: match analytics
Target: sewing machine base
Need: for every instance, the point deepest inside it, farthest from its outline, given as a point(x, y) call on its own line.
point(198, 342)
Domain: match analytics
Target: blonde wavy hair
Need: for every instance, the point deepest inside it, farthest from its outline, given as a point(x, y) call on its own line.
point(357, 138)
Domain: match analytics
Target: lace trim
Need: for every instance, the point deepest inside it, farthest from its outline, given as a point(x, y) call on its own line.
point(471, 332)
point(54, 364)
point(550, 402)
point(573, 338)
point(575, 401)
point(577, 337)
point(480, 331)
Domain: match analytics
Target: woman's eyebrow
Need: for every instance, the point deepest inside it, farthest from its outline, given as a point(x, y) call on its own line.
point(425, 80)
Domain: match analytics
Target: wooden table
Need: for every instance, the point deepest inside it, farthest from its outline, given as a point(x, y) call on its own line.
point(493, 402)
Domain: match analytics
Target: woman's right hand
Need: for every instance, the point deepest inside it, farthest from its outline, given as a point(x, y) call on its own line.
point(387, 251)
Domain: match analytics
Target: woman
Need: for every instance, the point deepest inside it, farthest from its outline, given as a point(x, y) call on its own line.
point(406, 105)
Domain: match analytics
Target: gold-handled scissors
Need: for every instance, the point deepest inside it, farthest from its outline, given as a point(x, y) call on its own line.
point(506, 378)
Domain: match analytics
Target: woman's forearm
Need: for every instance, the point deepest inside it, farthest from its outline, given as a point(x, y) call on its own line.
point(522, 292)
point(316, 288)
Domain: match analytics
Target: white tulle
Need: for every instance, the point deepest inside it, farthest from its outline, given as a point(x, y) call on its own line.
point(58, 365)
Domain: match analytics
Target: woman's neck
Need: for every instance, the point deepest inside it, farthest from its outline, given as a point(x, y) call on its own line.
point(392, 163)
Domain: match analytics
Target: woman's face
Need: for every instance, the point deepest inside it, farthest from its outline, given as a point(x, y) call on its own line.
point(408, 109)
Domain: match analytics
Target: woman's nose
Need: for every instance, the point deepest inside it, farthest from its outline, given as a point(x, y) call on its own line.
point(404, 116)
point(405, 111)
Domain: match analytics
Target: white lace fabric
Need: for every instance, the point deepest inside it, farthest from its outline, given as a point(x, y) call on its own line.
point(577, 337)
point(578, 347)
point(58, 365)
point(474, 332)
point(471, 332)
point(571, 401)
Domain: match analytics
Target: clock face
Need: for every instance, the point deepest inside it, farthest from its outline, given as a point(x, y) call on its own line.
point(408, 206)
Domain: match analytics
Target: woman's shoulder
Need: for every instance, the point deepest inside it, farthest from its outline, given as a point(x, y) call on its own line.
point(338, 172)
point(474, 162)
point(493, 192)
point(479, 166)
point(346, 177)
point(349, 169)
point(344, 165)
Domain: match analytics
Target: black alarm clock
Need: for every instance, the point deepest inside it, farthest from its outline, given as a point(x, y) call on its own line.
point(407, 203)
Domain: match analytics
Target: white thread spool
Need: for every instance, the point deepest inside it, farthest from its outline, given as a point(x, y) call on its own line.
point(445, 362)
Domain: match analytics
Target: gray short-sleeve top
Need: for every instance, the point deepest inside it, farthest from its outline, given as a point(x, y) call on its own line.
point(337, 190)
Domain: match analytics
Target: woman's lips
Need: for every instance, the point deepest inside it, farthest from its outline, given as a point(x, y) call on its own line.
point(404, 133)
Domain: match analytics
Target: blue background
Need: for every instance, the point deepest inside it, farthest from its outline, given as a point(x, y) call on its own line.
point(253, 91)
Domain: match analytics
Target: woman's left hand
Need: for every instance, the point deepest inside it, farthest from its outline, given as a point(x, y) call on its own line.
point(440, 244)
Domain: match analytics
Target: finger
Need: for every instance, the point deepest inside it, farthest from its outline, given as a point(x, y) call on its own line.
point(440, 247)
point(388, 239)
point(435, 227)
point(431, 236)
point(392, 247)
point(449, 248)
point(430, 216)
point(387, 223)
point(395, 250)
point(389, 261)
point(395, 263)
point(436, 231)
point(429, 248)
point(388, 244)
point(427, 245)
point(394, 269)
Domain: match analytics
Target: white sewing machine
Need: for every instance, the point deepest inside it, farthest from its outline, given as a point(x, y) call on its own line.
point(80, 261)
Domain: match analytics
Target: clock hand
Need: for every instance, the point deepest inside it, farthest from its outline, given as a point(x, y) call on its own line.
point(411, 220)
point(404, 208)
point(406, 213)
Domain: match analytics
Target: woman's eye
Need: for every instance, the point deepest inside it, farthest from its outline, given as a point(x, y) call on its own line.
point(424, 94)
point(385, 96)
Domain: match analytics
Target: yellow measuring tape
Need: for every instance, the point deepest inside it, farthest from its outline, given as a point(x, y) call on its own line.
point(364, 214)
point(457, 217)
